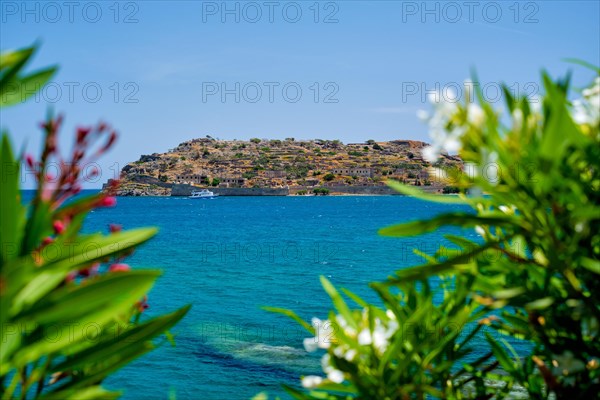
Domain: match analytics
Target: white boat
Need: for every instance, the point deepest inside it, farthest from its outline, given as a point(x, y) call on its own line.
point(203, 194)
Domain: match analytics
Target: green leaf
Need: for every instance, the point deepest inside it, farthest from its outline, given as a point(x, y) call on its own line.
point(449, 338)
point(12, 213)
point(11, 58)
point(338, 301)
point(111, 349)
point(94, 248)
point(15, 88)
point(356, 298)
point(71, 310)
point(559, 130)
point(110, 366)
point(19, 89)
point(462, 219)
point(508, 293)
point(39, 226)
point(591, 265)
point(74, 301)
point(88, 393)
point(540, 304)
point(505, 361)
point(419, 194)
point(427, 270)
point(12, 63)
point(292, 315)
point(585, 64)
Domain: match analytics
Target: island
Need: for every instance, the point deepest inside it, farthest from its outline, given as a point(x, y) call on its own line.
point(273, 167)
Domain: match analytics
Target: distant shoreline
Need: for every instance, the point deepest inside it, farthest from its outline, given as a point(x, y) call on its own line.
point(185, 190)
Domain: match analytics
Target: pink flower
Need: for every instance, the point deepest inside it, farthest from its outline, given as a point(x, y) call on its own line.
point(47, 240)
point(119, 267)
point(113, 228)
point(91, 270)
point(59, 227)
point(108, 201)
point(71, 277)
point(143, 304)
point(82, 133)
point(29, 160)
point(78, 155)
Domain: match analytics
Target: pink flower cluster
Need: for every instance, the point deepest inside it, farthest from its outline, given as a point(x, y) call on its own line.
point(55, 191)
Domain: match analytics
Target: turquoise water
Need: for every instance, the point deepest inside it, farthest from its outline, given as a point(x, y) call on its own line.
point(232, 255)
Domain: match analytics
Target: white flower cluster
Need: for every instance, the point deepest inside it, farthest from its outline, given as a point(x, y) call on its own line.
point(377, 336)
point(587, 109)
point(444, 134)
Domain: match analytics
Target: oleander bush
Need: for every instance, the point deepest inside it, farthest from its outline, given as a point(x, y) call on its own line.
point(532, 183)
point(70, 308)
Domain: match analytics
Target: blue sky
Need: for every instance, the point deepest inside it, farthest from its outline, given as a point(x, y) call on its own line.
point(363, 68)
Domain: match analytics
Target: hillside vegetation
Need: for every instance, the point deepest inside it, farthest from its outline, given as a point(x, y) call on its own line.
point(264, 163)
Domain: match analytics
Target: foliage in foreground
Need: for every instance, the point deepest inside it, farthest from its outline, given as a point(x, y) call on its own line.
point(69, 307)
point(532, 277)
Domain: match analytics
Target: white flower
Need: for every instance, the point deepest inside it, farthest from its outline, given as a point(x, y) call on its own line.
point(350, 355)
point(343, 324)
point(580, 114)
point(379, 337)
point(451, 143)
point(445, 107)
point(431, 154)
point(390, 314)
point(505, 209)
point(310, 344)
point(335, 376)
point(593, 91)
point(323, 333)
point(587, 109)
point(380, 341)
point(311, 381)
point(343, 352)
point(392, 327)
point(364, 337)
point(480, 230)
point(535, 104)
point(517, 115)
point(475, 115)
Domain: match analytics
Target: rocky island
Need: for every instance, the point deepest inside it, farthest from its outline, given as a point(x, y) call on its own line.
point(280, 167)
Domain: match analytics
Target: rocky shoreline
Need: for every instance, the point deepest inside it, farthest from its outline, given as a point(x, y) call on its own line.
point(184, 190)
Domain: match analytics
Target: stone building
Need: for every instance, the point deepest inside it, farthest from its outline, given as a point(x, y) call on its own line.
point(364, 172)
point(232, 181)
point(198, 179)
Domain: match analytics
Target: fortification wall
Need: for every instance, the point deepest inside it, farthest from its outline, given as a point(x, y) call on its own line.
point(186, 190)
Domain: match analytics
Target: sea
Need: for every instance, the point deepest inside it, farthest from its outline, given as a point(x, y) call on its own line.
point(229, 257)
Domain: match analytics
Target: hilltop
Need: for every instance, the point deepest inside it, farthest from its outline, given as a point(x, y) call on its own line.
point(299, 166)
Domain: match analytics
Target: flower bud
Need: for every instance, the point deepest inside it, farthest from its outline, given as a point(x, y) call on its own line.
point(29, 160)
point(114, 228)
point(82, 134)
point(59, 227)
point(108, 201)
point(120, 267)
